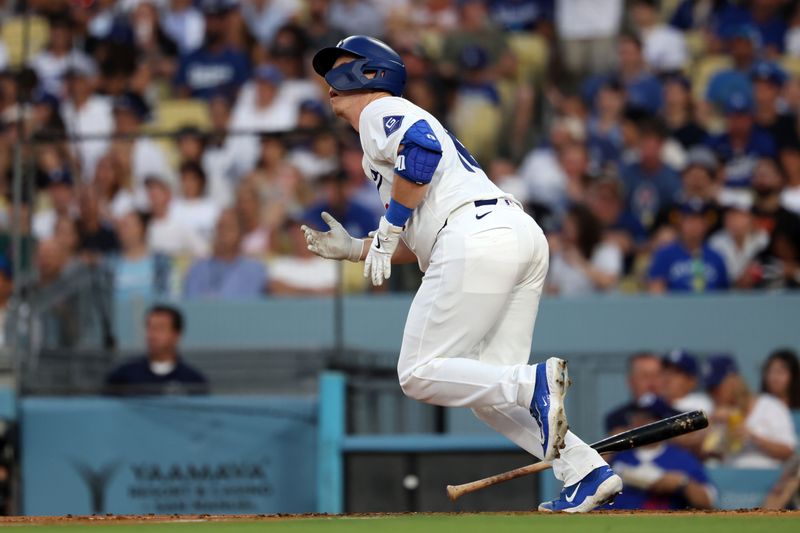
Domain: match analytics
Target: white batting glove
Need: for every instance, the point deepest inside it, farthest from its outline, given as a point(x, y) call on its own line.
point(378, 265)
point(333, 244)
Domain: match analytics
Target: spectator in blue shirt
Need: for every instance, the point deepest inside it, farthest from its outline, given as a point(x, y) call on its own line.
point(743, 143)
point(227, 274)
point(213, 68)
point(161, 371)
point(742, 41)
point(689, 264)
point(660, 476)
point(763, 16)
point(650, 184)
point(356, 218)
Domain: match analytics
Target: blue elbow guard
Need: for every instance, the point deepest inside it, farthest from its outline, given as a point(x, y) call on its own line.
point(420, 156)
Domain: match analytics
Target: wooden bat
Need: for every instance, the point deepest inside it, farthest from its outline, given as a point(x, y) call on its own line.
point(667, 428)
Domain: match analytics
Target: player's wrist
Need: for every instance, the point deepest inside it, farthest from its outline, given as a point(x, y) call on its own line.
point(397, 214)
point(356, 251)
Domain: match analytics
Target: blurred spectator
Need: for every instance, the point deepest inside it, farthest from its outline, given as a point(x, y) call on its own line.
point(356, 17)
point(662, 475)
point(85, 113)
point(184, 24)
point(97, 235)
point(226, 274)
point(605, 199)
point(742, 144)
point(256, 234)
point(664, 47)
point(214, 67)
point(742, 41)
point(650, 185)
point(51, 261)
point(137, 272)
point(52, 63)
point(688, 264)
point(6, 290)
point(587, 31)
point(194, 208)
point(770, 113)
point(115, 198)
point(475, 31)
point(699, 177)
point(644, 381)
point(218, 156)
point(161, 371)
point(301, 272)
point(167, 234)
point(318, 27)
point(681, 375)
point(139, 155)
point(763, 16)
point(61, 197)
point(747, 431)
point(581, 262)
point(356, 219)
point(156, 49)
point(679, 112)
point(264, 17)
point(780, 377)
point(739, 241)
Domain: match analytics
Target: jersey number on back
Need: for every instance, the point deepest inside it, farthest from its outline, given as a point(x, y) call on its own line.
point(463, 154)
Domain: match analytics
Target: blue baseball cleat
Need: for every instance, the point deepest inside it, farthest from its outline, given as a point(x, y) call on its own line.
point(598, 487)
point(547, 405)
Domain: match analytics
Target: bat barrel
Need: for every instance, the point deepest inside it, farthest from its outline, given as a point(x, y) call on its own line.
point(656, 432)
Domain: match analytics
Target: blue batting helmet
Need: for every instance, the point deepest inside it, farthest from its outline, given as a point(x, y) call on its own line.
point(371, 55)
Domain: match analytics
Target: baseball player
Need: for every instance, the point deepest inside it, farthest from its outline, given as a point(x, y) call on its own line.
point(467, 338)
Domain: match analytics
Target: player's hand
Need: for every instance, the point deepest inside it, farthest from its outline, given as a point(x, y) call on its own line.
point(378, 265)
point(333, 244)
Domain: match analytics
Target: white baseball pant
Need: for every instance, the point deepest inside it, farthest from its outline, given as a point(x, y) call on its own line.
point(468, 334)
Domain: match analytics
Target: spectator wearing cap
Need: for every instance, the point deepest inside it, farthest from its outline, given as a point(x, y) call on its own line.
point(143, 156)
point(184, 24)
point(747, 431)
point(689, 264)
point(604, 126)
point(650, 184)
point(214, 67)
point(168, 234)
point(52, 63)
point(61, 196)
point(86, 113)
point(265, 17)
point(742, 41)
point(679, 114)
point(644, 382)
point(581, 262)
point(765, 17)
point(662, 475)
point(137, 272)
point(227, 274)
point(739, 241)
point(664, 46)
point(680, 378)
point(194, 207)
point(6, 290)
point(742, 143)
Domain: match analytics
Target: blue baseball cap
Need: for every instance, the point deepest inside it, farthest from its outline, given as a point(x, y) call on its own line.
point(740, 31)
point(768, 71)
point(681, 360)
point(717, 368)
point(738, 102)
point(268, 73)
point(132, 103)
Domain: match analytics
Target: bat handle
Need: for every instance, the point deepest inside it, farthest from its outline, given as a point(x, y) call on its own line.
point(454, 492)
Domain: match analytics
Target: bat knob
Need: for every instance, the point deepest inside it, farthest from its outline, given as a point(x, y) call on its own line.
point(452, 493)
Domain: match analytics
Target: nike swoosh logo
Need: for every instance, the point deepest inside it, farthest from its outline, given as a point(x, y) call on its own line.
point(483, 215)
point(378, 244)
point(574, 492)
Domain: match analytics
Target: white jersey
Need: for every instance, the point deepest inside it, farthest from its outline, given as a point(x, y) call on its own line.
point(458, 179)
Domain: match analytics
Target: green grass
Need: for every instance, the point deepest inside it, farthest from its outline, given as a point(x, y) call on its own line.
point(476, 523)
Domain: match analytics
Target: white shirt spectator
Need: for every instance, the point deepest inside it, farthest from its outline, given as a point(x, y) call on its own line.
point(93, 118)
point(148, 159)
point(50, 69)
point(665, 48)
point(308, 273)
point(356, 17)
point(770, 419)
point(186, 28)
point(694, 401)
point(171, 236)
point(199, 214)
point(546, 181)
point(222, 171)
point(265, 17)
point(588, 19)
point(737, 258)
point(571, 280)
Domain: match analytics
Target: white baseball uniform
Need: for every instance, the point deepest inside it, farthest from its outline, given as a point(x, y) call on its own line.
point(467, 339)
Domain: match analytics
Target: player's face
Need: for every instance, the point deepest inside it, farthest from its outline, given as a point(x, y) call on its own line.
point(342, 103)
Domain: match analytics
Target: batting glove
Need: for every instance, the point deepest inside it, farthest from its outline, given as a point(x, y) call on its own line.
point(378, 265)
point(333, 244)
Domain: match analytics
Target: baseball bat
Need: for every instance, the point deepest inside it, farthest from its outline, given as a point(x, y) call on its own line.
point(667, 428)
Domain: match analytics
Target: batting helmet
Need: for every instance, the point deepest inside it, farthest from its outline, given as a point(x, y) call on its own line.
point(371, 55)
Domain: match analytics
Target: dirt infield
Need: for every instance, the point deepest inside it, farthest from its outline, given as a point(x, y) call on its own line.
point(139, 519)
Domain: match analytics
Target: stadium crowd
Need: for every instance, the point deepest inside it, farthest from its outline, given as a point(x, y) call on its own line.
point(181, 142)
